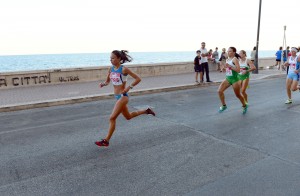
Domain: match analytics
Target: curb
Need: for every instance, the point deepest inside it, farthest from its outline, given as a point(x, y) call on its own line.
point(97, 97)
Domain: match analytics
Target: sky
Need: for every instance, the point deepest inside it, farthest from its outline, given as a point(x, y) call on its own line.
point(94, 26)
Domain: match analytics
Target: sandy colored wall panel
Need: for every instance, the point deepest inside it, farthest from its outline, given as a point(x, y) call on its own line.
point(61, 76)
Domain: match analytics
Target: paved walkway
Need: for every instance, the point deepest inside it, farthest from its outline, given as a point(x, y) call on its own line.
point(43, 96)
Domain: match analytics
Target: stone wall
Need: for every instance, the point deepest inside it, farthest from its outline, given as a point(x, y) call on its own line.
point(62, 76)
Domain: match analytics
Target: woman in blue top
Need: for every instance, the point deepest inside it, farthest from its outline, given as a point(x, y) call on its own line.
point(117, 75)
point(278, 55)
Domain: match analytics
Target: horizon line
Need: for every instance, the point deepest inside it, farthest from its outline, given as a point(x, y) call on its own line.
point(36, 54)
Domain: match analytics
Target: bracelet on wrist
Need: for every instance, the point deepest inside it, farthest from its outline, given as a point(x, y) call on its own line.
point(131, 86)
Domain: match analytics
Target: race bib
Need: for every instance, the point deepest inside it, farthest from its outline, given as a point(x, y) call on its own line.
point(115, 78)
point(228, 72)
point(242, 69)
point(293, 66)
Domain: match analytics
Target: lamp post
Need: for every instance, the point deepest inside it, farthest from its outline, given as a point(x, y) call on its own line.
point(284, 45)
point(257, 40)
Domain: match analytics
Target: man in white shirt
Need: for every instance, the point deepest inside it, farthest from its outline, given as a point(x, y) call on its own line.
point(204, 61)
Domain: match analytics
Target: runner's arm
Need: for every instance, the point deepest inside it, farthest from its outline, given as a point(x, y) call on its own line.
point(136, 78)
point(107, 81)
point(252, 66)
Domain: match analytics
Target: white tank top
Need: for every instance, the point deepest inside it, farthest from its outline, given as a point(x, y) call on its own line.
point(230, 62)
point(293, 63)
point(243, 65)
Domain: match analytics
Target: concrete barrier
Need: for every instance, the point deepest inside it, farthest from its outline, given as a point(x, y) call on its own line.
point(62, 76)
point(46, 77)
point(266, 63)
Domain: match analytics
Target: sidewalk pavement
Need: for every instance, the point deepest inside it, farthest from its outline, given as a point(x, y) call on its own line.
point(52, 95)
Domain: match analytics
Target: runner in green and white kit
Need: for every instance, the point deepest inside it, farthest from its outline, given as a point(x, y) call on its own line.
point(246, 66)
point(232, 70)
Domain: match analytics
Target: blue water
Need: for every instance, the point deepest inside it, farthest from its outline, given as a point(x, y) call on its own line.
point(58, 61)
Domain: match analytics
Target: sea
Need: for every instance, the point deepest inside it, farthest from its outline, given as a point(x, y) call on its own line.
point(15, 63)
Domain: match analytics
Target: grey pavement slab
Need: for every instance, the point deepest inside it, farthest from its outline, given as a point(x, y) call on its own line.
point(151, 158)
point(266, 177)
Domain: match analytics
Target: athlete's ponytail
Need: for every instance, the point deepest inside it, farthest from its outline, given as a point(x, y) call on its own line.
point(237, 55)
point(234, 50)
point(123, 55)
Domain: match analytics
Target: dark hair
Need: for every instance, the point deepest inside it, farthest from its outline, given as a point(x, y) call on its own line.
point(234, 50)
point(254, 48)
point(237, 55)
point(280, 48)
point(198, 51)
point(123, 55)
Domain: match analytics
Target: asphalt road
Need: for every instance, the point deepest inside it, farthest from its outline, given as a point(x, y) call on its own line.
point(187, 149)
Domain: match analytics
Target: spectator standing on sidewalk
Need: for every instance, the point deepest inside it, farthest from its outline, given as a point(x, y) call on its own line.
point(204, 61)
point(210, 59)
point(222, 60)
point(215, 56)
point(209, 56)
point(253, 53)
point(198, 67)
point(278, 55)
point(285, 55)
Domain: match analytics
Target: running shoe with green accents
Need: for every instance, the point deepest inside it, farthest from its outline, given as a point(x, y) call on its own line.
point(222, 108)
point(245, 108)
point(289, 101)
